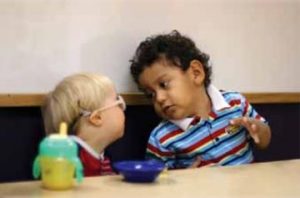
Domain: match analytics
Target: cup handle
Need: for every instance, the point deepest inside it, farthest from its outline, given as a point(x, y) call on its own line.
point(36, 168)
point(78, 169)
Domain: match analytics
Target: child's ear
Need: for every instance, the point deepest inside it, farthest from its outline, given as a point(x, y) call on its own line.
point(95, 118)
point(196, 71)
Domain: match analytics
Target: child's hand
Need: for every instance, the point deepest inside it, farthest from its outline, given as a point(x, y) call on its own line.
point(250, 124)
point(199, 162)
point(259, 131)
point(196, 163)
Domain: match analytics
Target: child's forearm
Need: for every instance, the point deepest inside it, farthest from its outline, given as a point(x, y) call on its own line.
point(264, 135)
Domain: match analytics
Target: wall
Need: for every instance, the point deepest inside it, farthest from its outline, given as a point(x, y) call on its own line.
point(254, 45)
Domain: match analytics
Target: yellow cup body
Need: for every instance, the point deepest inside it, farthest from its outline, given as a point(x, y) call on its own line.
point(57, 173)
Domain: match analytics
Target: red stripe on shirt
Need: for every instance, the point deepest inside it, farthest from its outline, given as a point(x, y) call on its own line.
point(245, 108)
point(195, 120)
point(170, 135)
point(105, 168)
point(213, 114)
point(93, 166)
point(204, 141)
point(231, 152)
point(258, 117)
point(235, 102)
point(153, 149)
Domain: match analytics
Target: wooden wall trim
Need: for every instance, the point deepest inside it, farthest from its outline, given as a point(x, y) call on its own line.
point(36, 99)
point(21, 100)
point(266, 98)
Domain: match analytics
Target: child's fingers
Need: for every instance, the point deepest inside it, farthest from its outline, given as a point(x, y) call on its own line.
point(253, 133)
point(212, 165)
point(240, 121)
point(196, 163)
point(243, 121)
point(252, 128)
point(249, 124)
point(235, 121)
point(255, 138)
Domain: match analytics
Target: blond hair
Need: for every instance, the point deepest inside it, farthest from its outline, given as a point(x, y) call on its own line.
point(86, 91)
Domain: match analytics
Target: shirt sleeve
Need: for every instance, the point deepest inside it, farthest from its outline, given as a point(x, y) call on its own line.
point(249, 111)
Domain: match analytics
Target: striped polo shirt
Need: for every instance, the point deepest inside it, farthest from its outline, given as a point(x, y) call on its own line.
point(179, 142)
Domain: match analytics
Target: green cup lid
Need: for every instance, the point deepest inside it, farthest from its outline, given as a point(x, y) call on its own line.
point(58, 146)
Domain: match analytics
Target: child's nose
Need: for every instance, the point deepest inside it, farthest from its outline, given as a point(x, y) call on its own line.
point(160, 96)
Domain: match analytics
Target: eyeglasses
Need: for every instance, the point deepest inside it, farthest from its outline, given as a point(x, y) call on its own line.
point(120, 101)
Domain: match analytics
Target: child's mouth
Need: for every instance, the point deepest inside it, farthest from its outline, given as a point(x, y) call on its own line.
point(169, 109)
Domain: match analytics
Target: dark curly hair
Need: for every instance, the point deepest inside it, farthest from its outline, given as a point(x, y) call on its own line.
point(178, 49)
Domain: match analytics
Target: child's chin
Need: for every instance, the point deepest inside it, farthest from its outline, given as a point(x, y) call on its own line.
point(174, 117)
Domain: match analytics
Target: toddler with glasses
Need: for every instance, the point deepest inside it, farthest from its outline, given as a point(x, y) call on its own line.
point(89, 104)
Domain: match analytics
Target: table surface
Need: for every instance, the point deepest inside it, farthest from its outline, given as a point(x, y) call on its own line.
point(271, 179)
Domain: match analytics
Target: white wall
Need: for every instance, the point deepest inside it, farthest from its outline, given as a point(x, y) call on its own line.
point(254, 44)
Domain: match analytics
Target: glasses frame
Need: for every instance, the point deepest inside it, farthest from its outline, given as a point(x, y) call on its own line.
point(120, 101)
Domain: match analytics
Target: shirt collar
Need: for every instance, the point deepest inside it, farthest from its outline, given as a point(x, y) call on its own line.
point(217, 99)
point(87, 147)
point(218, 103)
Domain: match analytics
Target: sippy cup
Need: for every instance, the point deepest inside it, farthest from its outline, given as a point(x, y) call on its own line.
point(57, 162)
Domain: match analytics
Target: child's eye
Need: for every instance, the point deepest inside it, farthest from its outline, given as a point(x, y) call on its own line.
point(164, 84)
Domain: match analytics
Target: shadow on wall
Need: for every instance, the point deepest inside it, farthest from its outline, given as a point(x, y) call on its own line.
point(22, 130)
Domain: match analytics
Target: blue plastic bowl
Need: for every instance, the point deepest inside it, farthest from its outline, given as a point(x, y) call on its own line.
point(139, 171)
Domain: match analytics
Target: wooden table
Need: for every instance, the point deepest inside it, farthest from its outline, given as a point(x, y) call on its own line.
point(272, 179)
